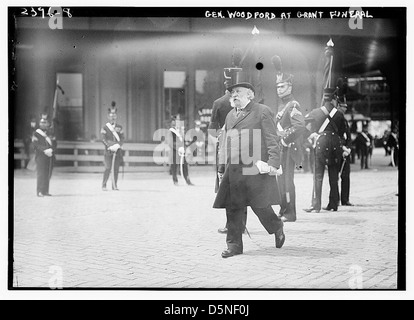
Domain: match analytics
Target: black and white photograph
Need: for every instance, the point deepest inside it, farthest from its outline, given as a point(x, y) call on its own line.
point(207, 148)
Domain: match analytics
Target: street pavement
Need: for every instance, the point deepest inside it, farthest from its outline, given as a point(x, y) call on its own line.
point(154, 235)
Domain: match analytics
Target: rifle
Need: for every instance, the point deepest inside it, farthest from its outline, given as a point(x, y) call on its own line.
point(54, 123)
point(54, 107)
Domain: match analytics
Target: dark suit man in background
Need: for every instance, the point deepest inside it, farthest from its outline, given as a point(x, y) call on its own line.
point(364, 142)
point(249, 126)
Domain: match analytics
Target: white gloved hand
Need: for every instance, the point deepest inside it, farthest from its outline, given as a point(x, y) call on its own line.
point(48, 152)
point(279, 171)
point(313, 135)
point(114, 148)
point(346, 152)
point(181, 151)
point(263, 167)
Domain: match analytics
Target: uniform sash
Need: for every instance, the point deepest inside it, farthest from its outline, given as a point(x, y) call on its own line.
point(110, 127)
point(366, 137)
point(43, 134)
point(328, 119)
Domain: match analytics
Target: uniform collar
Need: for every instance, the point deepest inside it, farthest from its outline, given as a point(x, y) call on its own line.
point(287, 98)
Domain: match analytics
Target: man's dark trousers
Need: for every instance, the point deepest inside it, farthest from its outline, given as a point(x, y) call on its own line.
point(235, 227)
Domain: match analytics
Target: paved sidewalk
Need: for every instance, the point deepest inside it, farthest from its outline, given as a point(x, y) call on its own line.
point(151, 234)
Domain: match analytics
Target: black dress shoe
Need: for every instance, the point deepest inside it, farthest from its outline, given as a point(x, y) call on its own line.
point(348, 204)
point(312, 209)
point(222, 230)
point(229, 253)
point(328, 208)
point(47, 194)
point(280, 238)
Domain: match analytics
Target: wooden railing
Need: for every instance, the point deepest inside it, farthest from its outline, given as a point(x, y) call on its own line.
point(82, 156)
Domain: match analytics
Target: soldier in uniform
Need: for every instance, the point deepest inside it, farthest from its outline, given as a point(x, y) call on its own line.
point(177, 144)
point(45, 148)
point(326, 125)
point(290, 126)
point(112, 137)
point(244, 173)
point(364, 143)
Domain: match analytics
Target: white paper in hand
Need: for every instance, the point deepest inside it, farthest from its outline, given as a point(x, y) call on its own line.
point(263, 167)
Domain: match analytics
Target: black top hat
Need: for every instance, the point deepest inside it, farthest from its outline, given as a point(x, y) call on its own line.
point(231, 76)
point(241, 84)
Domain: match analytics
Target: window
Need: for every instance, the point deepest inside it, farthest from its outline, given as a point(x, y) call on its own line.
point(70, 106)
point(175, 83)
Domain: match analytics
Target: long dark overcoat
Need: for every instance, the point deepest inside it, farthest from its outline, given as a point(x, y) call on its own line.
point(249, 137)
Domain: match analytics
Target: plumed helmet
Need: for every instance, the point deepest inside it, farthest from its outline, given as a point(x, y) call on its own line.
point(44, 119)
point(112, 109)
point(284, 77)
point(281, 77)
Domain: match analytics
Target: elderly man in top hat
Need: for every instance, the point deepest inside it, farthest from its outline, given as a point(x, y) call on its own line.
point(221, 107)
point(290, 126)
point(248, 154)
point(112, 138)
point(45, 148)
point(327, 125)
